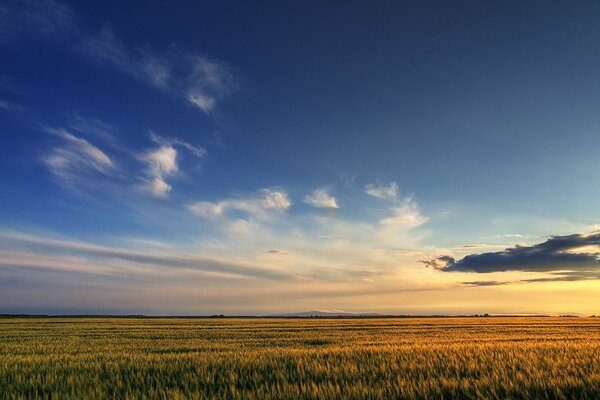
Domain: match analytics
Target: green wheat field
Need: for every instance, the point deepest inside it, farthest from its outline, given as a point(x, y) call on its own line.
point(410, 358)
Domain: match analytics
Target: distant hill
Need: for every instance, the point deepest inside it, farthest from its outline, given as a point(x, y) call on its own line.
point(328, 313)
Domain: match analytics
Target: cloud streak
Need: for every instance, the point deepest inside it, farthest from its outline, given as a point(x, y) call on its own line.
point(27, 250)
point(76, 157)
point(93, 127)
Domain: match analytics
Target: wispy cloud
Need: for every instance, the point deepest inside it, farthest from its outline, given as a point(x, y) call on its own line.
point(161, 163)
point(348, 180)
point(9, 106)
point(200, 80)
point(196, 150)
point(510, 236)
point(384, 192)
point(92, 127)
point(43, 18)
point(195, 78)
point(75, 157)
point(404, 212)
point(262, 204)
point(321, 198)
point(406, 215)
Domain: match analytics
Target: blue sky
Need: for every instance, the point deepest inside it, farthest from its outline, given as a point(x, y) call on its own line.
point(247, 158)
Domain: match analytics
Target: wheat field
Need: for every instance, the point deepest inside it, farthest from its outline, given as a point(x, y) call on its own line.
point(411, 358)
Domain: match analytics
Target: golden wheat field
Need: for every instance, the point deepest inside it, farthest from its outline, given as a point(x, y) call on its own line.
point(411, 358)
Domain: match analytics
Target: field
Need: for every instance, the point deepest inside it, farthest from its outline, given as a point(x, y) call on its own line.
point(128, 358)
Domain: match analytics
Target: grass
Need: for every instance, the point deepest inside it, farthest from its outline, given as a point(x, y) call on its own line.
point(134, 358)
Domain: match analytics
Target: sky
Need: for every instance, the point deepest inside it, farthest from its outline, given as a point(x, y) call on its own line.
point(255, 158)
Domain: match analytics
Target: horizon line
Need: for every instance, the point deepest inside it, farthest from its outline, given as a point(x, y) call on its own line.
point(291, 316)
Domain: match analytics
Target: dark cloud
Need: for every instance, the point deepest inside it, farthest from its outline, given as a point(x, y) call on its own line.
point(573, 257)
point(485, 283)
point(277, 251)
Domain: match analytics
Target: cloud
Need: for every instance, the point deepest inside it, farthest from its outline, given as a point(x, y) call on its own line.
point(320, 198)
point(206, 209)
point(389, 192)
point(158, 187)
point(510, 235)
point(8, 106)
point(76, 156)
point(279, 252)
point(476, 246)
point(202, 101)
point(555, 276)
point(44, 18)
point(405, 216)
point(197, 79)
point(405, 213)
point(574, 256)
point(262, 204)
point(24, 250)
point(161, 163)
point(92, 126)
point(486, 283)
point(196, 150)
point(200, 80)
point(275, 198)
point(347, 180)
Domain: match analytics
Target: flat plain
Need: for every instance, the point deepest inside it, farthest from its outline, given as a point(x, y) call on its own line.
point(223, 358)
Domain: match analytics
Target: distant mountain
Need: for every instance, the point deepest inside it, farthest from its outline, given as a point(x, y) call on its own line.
point(327, 313)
